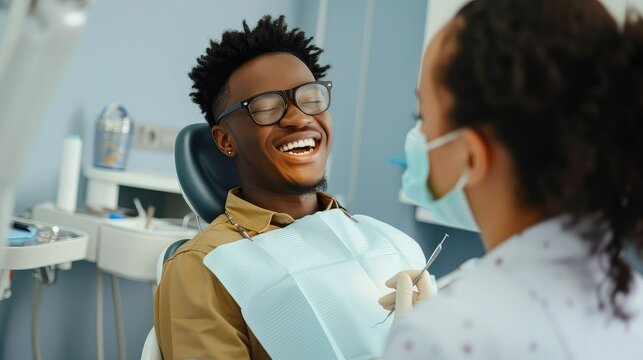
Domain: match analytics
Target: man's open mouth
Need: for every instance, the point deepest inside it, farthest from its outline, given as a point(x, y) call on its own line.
point(299, 147)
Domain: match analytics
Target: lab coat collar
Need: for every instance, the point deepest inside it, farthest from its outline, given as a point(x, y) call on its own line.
point(554, 239)
point(257, 219)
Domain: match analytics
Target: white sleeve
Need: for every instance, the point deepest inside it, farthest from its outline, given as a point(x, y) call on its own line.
point(412, 340)
point(449, 326)
point(484, 316)
point(407, 342)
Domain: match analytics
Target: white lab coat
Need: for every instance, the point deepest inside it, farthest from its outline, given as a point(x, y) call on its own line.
point(533, 297)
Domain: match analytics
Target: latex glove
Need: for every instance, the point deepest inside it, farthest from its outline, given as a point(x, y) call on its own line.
point(404, 297)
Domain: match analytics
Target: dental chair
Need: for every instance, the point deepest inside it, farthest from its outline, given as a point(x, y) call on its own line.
point(205, 177)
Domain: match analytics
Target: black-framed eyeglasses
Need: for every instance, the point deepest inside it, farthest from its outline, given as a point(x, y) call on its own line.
point(269, 107)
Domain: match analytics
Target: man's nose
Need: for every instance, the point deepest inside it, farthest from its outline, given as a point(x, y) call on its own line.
point(295, 117)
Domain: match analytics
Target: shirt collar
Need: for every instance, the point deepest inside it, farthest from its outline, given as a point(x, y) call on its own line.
point(254, 218)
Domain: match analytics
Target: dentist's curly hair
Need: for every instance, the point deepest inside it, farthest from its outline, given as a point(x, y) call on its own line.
point(561, 86)
point(221, 59)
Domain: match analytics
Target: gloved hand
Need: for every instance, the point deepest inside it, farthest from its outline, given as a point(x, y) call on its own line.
point(404, 297)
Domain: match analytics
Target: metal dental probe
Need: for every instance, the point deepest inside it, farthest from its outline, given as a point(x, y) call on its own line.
point(432, 258)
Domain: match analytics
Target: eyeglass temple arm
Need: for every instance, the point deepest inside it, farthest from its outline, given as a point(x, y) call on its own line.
point(228, 111)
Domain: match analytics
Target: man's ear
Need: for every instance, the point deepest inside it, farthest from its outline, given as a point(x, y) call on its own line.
point(480, 155)
point(224, 140)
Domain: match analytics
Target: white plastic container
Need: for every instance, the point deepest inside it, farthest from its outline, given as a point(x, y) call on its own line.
point(129, 251)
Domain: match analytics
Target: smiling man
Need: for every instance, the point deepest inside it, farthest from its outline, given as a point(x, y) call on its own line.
point(260, 92)
point(283, 259)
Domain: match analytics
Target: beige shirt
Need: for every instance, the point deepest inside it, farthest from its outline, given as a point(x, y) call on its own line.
point(194, 315)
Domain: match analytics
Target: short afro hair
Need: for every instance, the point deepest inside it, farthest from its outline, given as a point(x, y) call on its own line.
point(221, 59)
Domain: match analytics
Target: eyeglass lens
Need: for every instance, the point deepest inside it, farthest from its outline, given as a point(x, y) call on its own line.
point(311, 99)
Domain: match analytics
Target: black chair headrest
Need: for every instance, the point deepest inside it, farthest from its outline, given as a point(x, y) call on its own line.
point(205, 174)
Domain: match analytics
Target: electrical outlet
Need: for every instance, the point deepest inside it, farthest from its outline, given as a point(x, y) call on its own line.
point(154, 137)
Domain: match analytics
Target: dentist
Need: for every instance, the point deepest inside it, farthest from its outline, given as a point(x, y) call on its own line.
point(531, 131)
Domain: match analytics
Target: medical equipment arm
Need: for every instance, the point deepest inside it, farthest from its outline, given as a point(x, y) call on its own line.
point(34, 51)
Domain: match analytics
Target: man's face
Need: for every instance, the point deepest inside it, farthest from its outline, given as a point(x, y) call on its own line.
point(262, 160)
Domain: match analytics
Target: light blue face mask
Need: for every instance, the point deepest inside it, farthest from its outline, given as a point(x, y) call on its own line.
point(452, 209)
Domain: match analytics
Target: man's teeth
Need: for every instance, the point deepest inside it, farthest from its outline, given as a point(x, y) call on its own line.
point(308, 144)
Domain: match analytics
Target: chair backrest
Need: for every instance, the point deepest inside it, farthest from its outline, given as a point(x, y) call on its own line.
point(205, 174)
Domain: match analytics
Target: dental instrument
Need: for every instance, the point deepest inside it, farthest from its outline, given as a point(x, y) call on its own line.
point(432, 258)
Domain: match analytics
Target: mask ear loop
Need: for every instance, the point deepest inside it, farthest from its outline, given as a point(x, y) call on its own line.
point(459, 185)
point(443, 140)
point(463, 180)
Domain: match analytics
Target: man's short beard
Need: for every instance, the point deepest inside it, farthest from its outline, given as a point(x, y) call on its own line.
point(319, 186)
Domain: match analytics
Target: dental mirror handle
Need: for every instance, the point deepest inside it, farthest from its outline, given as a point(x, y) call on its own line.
point(432, 258)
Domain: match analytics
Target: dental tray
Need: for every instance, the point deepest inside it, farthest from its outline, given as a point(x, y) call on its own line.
point(48, 245)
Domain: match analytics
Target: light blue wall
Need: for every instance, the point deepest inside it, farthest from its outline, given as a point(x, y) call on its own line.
point(138, 53)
